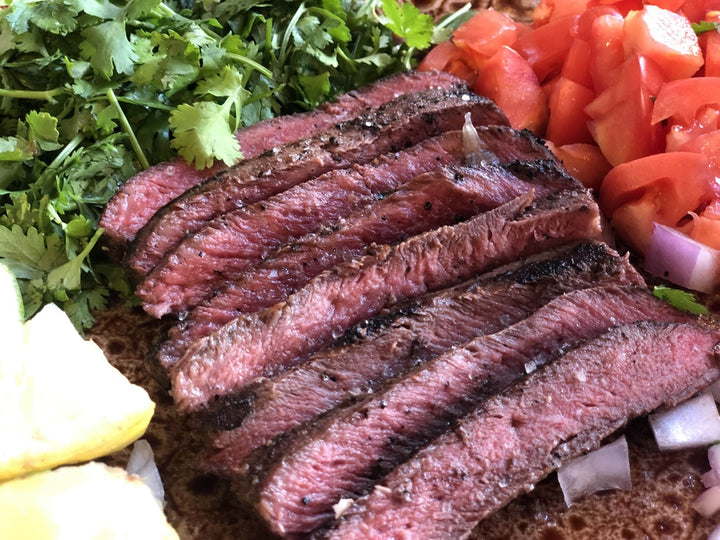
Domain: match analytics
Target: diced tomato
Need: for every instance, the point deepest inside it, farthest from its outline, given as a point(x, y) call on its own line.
point(693, 138)
point(576, 66)
point(712, 54)
point(681, 100)
point(620, 116)
point(707, 144)
point(672, 5)
point(695, 10)
point(706, 229)
point(568, 122)
point(665, 37)
point(446, 56)
point(586, 20)
point(621, 6)
point(547, 10)
point(545, 47)
point(484, 34)
point(683, 181)
point(585, 162)
point(509, 80)
point(633, 220)
point(607, 54)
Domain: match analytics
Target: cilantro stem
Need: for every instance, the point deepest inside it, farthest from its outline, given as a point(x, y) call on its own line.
point(250, 62)
point(288, 32)
point(127, 129)
point(450, 19)
point(47, 95)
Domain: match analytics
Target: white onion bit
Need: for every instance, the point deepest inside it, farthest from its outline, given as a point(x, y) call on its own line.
point(692, 424)
point(142, 464)
point(476, 153)
point(606, 468)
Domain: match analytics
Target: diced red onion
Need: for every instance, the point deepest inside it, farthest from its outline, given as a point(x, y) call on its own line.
point(714, 534)
point(682, 260)
point(691, 424)
point(708, 502)
point(714, 457)
point(476, 153)
point(142, 464)
point(710, 479)
point(606, 468)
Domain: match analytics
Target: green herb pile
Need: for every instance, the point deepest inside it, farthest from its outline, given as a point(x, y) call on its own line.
point(92, 91)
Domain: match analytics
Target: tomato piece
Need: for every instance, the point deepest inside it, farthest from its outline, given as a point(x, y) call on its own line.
point(706, 229)
point(548, 10)
point(576, 66)
point(665, 37)
point(587, 19)
point(585, 162)
point(568, 122)
point(672, 5)
point(509, 80)
point(484, 34)
point(682, 179)
point(707, 144)
point(607, 54)
point(620, 116)
point(621, 6)
point(446, 56)
point(633, 221)
point(692, 138)
point(681, 100)
point(546, 47)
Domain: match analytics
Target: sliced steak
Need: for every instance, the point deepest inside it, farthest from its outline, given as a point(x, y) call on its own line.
point(274, 339)
point(145, 193)
point(516, 438)
point(408, 336)
point(344, 454)
point(398, 124)
point(288, 269)
point(240, 239)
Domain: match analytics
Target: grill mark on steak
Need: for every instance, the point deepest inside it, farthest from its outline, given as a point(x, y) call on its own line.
point(288, 269)
point(271, 340)
point(345, 453)
point(240, 239)
point(146, 192)
point(405, 337)
point(518, 437)
point(398, 124)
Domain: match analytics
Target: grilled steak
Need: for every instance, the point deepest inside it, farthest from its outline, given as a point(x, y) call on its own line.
point(516, 438)
point(442, 197)
point(400, 123)
point(274, 339)
point(342, 455)
point(145, 193)
point(410, 335)
point(240, 239)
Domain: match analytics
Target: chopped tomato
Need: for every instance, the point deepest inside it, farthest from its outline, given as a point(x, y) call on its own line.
point(707, 144)
point(607, 54)
point(484, 34)
point(681, 100)
point(672, 5)
point(509, 80)
point(545, 47)
point(620, 116)
point(585, 162)
point(706, 229)
point(712, 54)
point(633, 221)
point(621, 6)
point(548, 10)
point(446, 56)
point(568, 122)
point(576, 66)
point(685, 179)
point(665, 37)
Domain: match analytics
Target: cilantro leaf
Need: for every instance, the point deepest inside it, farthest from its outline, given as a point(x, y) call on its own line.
point(408, 22)
point(106, 46)
point(680, 299)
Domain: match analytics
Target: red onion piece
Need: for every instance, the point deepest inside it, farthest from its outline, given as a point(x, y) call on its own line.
point(708, 502)
point(608, 467)
point(691, 424)
point(682, 260)
point(714, 457)
point(714, 534)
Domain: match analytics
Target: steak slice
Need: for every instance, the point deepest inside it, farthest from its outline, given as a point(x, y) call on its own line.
point(271, 340)
point(299, 479)
point(396, 125)
point(288, 269)
point(516, 438)
point(146, 192)
point(241, 238)
point(408, 336)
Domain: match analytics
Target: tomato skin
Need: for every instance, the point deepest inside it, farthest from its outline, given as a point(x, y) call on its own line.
point(585, 162)
point(620, 116)
point(568, 122)
point(484, 34)
point(509, 80)
point(545, 47)
point(576, 66)
point(548, 10)
point(665, 37)
point(446, 56)
point(684, 179)
point(681, 100)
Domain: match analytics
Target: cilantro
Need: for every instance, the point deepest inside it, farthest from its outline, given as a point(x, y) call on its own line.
point(704, 26)
point(680, 299)
point(93, 91)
